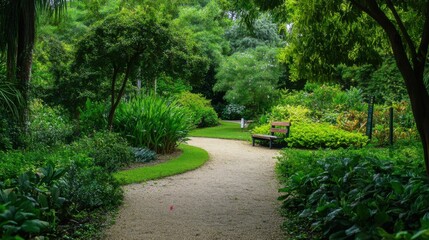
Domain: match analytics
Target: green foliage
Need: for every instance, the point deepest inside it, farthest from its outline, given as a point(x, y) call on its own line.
point(290, 113)
point(191, 158)
point(233, 112)
point(10, 98)
point(152, 122)
point(93, 117)
point(322, 135)
point(250, 78)
point(12, 164)
point(344, 109)
point(385, 82)
point(353, 194)
point(122, 46)
point(48, 126)
point(168, 86)
point(262, 33)
point(143, 155)
point(199, 109)
point(108, 150)
point(204, 28)
point(10, 133)
point(86, 187)
point(91, 187)
point(31, 203)
point(317, 135)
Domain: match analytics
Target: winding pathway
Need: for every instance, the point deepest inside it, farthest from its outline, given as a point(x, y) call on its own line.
point(233, 196)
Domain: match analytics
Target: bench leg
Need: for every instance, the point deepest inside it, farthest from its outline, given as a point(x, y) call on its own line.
point(271, 143)
point(253, 142)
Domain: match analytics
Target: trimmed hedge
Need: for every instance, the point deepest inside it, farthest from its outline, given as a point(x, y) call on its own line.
point(318, 135)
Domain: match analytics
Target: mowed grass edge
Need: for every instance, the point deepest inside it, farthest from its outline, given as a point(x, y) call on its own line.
point(191, 158)
point(226, 130)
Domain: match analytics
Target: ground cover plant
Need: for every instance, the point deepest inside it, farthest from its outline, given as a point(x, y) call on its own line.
point(226, 130)
point(190, 159)
point(51, 201)
point(369, 193)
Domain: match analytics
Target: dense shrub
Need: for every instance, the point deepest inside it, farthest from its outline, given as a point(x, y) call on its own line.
point(354, 195)
point(12, 164)
point(91, 187)
point(290, 113)
point(10, 137)
point(31, 203)
point(93, 117)
point(317, 135)
point(199, 109)
point(152, 122)
point(48, 126)
point(108, 150)
point(40, 200)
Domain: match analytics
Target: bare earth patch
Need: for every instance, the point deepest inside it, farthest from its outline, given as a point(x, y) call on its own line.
point(233, 196)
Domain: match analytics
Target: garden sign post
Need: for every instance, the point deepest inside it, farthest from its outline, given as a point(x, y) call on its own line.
point(370, 117)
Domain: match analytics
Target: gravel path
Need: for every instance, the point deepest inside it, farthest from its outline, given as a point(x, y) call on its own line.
point(233, 196)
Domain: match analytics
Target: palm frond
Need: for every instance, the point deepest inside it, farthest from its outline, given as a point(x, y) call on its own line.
point(10, 98)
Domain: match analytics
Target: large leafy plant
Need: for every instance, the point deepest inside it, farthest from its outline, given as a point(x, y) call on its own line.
point(355, 196)
point(152, 122)
point(31, 203)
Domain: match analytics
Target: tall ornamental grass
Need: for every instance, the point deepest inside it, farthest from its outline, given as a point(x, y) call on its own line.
point(152, 122)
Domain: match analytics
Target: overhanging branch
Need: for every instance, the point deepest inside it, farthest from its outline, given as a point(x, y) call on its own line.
point(402, 29)
point(423, 48)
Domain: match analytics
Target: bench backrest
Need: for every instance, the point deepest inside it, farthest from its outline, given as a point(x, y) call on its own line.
point(275, 129)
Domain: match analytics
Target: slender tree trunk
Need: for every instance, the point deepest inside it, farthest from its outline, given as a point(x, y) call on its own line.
point(26, 35)
point(112, 99)
point(115, 102)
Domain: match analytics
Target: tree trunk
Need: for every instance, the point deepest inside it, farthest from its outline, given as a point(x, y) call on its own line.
point(115, 102)
point(26, 35)
point(419, 98)
point(411, 67)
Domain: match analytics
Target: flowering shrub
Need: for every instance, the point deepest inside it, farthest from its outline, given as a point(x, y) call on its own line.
point(233, 111)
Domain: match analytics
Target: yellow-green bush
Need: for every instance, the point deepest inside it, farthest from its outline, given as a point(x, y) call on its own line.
point(290, 113)
point(317, 135)
point(323, 135)
point(199, 108)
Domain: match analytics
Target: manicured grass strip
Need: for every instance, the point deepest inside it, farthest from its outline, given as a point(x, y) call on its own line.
point(227, 130)
point(191, 158)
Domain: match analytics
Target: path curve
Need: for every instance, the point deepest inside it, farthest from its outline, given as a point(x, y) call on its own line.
point(233, 196)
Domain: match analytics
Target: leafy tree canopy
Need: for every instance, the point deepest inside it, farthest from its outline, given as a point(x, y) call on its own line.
point(263, 32)
point(250, 78)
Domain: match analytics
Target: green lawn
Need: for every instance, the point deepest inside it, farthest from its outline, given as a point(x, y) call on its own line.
point(191, 158)
point(226, 130)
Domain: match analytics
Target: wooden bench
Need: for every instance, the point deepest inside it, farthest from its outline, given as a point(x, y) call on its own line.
point(276, 127)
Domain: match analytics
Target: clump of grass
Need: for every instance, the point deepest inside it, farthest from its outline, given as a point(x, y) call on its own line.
point(152, 122)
